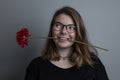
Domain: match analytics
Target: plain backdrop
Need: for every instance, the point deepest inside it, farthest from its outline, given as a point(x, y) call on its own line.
point(101, 18)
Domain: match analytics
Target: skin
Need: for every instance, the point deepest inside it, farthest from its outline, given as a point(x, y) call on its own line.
point(62, 35)
point(63, 44)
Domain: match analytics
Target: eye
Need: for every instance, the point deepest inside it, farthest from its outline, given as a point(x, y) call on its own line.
point(57, 25)
point(71, 27)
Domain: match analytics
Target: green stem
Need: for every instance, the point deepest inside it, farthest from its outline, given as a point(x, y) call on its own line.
point(90, 45)
point(42, 37)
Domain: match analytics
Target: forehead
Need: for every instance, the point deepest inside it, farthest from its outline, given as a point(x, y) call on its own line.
point(65, 19)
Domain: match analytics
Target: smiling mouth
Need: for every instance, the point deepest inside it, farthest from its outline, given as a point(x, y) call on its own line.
point(63, 38)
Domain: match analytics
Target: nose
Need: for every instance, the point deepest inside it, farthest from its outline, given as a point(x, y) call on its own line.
point(64, 29)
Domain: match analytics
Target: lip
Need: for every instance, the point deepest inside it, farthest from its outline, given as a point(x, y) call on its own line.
point(63, 38)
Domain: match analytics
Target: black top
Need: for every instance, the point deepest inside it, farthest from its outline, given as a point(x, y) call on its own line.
point(40, 69)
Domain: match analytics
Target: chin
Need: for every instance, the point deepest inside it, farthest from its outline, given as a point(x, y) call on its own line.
point(64, 45)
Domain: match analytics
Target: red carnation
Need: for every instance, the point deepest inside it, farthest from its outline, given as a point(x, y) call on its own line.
point(22, 37)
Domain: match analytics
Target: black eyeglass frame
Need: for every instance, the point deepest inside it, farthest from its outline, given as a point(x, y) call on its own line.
point(70, 27)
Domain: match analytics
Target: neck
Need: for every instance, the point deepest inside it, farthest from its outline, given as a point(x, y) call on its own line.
point(64, 52)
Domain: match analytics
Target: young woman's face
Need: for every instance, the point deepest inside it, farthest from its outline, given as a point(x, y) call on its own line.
point(64, 29)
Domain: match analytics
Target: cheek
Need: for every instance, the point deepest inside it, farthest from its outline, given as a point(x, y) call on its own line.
point(73, 35)
point(55, 33)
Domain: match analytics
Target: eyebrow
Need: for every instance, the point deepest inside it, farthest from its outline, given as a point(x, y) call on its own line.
point(63, 24)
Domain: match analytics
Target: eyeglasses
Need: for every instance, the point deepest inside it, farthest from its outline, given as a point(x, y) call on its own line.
point(59, 26)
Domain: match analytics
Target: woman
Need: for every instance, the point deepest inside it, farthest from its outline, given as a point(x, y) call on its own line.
point(64, 59)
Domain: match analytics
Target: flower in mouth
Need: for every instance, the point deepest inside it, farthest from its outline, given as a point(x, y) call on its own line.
point(22, 37)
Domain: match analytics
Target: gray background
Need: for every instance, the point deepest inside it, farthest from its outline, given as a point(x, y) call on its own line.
point(101, 17)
